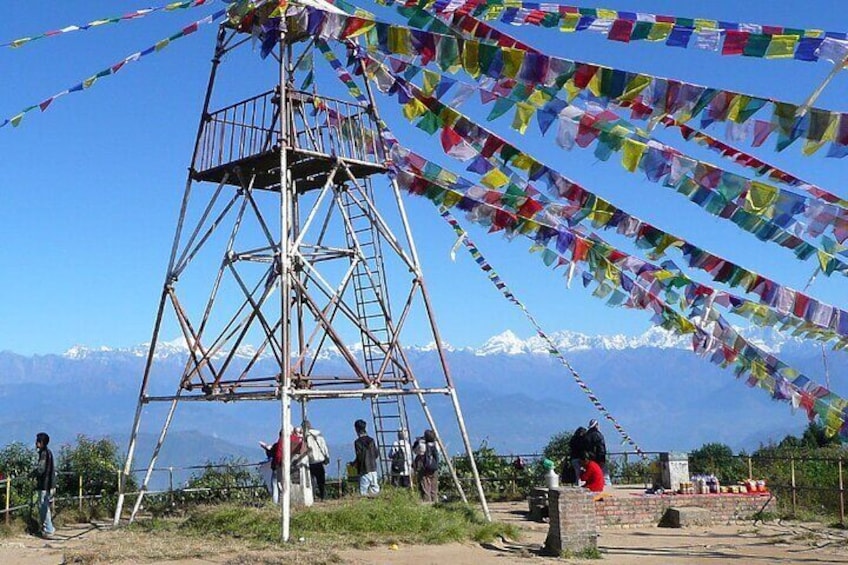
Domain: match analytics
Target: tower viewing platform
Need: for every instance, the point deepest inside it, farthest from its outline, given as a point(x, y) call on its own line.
point(244, 139)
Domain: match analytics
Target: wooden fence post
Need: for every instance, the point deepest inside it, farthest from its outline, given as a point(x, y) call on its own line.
point(841, 496)
point(80, 493)
point(9, 497)
point(750, 469)
point(794, 498)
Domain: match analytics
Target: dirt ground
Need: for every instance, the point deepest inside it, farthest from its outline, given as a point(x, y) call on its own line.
point(753, 544)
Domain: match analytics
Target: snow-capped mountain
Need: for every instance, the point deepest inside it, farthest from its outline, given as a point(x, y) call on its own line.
point(504, 343)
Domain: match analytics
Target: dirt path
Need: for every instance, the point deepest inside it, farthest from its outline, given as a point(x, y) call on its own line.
point(760, 544)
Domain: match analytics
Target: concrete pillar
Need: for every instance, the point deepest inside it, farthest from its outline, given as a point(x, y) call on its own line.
point(573, 527)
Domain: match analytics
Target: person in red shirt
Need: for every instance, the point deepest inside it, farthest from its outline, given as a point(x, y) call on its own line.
point(592, 476)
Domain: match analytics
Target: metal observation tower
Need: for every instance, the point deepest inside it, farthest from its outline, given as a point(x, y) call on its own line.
point(287, 225)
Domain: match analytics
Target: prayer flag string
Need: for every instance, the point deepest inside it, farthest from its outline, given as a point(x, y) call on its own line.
point(553, 350)
point(727, 38)
point(15, 121)
point(104, 21)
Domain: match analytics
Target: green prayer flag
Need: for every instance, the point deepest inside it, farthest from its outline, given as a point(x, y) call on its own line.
point(757, 45)
point(429, 123)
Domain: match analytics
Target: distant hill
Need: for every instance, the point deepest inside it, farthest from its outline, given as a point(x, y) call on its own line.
point(513, 395)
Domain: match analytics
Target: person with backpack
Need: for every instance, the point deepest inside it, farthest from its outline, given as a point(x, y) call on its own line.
point(319, 456)
point(401, 457)
point(427, 466)
point(366, 460)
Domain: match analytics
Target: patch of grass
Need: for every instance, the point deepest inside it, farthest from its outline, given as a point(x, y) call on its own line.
point(15, 527)
point(588, 553)
point(394, 516)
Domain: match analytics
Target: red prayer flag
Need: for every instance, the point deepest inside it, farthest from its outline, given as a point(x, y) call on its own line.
point(734, 42)
point(621, 30)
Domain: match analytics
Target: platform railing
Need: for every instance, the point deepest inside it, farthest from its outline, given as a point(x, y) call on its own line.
point(318, 125)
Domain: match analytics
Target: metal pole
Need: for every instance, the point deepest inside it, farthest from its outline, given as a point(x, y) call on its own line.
point(750, 469)
point(841, 496)
point(285, 294)
point(186, 195)
point(80, 493)
point(155, 455)
point(794, 499)
point(339, 474)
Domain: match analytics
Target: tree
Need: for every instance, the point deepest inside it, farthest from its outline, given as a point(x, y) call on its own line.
point(96, 461)
point(717, 459)
point(16, 462)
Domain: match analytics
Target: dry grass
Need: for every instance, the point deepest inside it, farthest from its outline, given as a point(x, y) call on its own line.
point(139, 546)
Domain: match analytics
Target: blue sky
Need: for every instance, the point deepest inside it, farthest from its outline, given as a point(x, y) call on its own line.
point(91, 188)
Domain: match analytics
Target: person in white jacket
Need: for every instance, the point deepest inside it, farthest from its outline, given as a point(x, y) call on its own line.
point(401, 457)
point(319, 456)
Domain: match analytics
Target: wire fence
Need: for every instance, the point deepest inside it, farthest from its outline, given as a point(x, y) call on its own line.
point(803, 485)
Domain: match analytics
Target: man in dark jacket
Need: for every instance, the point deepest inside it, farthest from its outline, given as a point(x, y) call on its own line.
point(596, 447)
point(366, 460)
point(45, 483)
point(577, 449)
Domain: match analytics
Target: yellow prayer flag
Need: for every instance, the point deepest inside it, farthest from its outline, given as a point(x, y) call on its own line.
point(471, 58)
point(814, 33)
point(594, 85)
point(512, 59)
point(660, 31)
point(162, 44)
point(604, 14)
point(782, 47)
point(632, 154)
point(572, 89)
point(569, 22)
point(811, 147)
point(89, 81)
point(760, 196)
point(523, 113)
point(431, 80)
point(522, 161)
point(451, 198)
point(494, 179)
point(824, 259)
point(737, 104)
point(513, 3)
point(538, 98)
point(413, 109)
point(16, 121)
point(636, 85)
point(493, 13)
point(705, 24)
point(400, 40)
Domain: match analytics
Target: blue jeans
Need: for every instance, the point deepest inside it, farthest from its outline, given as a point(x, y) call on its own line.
point(368, 484)
point(45, 519)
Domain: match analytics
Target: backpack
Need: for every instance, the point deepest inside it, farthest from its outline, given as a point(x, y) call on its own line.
point(431, 459)
point(399, 460)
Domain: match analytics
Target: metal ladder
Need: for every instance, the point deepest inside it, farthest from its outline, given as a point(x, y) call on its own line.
point(369, 283)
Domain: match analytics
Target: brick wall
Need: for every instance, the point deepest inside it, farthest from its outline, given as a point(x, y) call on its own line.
point(573, 524)
point(623, 510)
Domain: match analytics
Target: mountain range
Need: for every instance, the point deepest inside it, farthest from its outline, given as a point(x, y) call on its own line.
point(514, 396)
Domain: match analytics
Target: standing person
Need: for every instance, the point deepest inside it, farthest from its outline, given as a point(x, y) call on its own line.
point(45, 483)
point(366, 460)
point(427, 466)
point(319, 455)
point(274, 452)
point(596, 448)
point(401, 456)
point(577, 448)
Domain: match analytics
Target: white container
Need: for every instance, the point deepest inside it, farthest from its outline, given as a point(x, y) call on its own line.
point(551, 479)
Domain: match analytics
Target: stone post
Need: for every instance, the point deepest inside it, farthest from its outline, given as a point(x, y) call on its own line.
point(573, 527)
